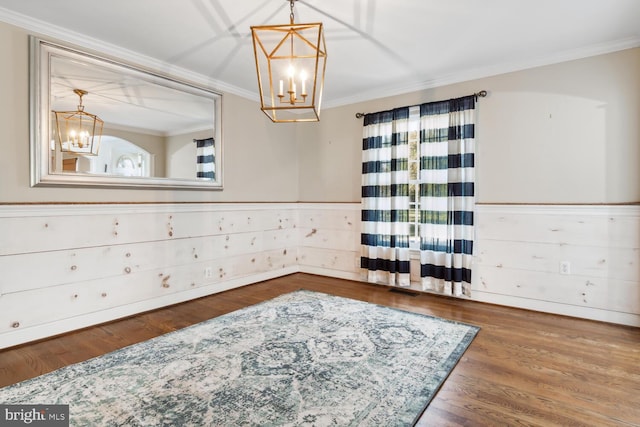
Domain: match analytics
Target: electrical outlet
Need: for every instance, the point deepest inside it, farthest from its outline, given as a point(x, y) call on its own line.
point(208, 273)
point(565, 267)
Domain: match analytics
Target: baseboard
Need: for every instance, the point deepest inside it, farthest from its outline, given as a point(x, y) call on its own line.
point(590, 313)
point(320, 271)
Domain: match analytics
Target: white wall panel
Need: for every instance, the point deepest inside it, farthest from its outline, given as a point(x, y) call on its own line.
point(586, 291)
point(70, 266)
point(519, 251)
point(329, 239)
point(604, 226)
point(330, 259)
point(596, 261)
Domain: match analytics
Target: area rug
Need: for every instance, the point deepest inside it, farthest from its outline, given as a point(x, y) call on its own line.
point(301, 359)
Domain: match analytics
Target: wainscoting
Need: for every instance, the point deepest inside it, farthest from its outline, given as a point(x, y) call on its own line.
point(65, 267)
point(521, 250)
point(518, 255)
point(330, 239)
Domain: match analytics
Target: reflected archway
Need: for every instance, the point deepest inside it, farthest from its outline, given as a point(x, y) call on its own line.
point(119, 157)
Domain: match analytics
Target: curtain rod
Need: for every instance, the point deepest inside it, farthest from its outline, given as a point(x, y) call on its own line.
point(480, 94)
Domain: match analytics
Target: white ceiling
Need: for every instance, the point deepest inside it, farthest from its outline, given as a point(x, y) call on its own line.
point(375, 47)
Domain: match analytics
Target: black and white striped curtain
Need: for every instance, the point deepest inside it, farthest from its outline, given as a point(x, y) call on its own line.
point(205, 163)
point(385, 198)
point(447, 198)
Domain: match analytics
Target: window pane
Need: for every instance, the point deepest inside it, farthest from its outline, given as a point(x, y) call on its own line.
point(413, 150)
point(413, 171)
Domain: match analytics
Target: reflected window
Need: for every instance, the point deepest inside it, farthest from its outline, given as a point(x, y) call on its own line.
point(120, 157)
point(126, 166)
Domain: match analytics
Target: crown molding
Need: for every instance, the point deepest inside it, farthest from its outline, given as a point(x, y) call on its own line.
point(64, 35)
point(489, 71)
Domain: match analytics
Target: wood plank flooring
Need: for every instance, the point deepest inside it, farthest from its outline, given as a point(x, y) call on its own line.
point(523, 368)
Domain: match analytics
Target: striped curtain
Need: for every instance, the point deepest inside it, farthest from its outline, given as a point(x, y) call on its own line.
point(205, 163)
point(447, 199)
point(385, 198)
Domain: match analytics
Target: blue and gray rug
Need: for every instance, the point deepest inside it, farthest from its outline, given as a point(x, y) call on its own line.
point(301, 359)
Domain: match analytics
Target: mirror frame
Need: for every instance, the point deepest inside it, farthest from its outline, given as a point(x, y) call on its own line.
point(40, 53)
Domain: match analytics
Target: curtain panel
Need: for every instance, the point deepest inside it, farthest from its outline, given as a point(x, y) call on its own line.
point(447, 195)
point(205, 158)
point(385, 198)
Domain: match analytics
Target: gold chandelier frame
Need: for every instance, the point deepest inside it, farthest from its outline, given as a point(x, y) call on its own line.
point(291, 53)
point(78, 132)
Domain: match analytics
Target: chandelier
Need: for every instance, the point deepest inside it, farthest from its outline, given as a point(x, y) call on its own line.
point(78, 132)
point(290, 62)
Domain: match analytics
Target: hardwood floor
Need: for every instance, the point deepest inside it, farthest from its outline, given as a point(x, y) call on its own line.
point(523, 368)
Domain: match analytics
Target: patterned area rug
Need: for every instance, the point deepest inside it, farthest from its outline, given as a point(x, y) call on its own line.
point(301, 359)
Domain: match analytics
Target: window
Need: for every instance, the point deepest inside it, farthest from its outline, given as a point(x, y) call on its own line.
point(414, 175)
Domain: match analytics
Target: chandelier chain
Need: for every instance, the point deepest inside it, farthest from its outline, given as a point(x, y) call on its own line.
point(291, 14)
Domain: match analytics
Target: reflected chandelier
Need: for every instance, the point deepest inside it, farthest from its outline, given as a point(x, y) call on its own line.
point(77, 131)
point(290, 62)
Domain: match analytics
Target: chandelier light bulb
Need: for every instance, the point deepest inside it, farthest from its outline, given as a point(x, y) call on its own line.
point(303, 78)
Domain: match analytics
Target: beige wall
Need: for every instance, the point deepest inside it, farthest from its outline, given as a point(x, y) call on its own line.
point(563, 133)
point(181, 152)
point(259, 158)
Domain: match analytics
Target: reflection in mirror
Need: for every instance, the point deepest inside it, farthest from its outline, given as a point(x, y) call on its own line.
point(153, 130)
point(118, 157)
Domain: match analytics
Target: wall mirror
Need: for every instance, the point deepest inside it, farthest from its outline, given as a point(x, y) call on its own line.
point(99, 122)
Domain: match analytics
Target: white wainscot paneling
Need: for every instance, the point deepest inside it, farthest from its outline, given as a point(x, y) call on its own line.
point(329, 239)
point(519, 251)
point(67, 267)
